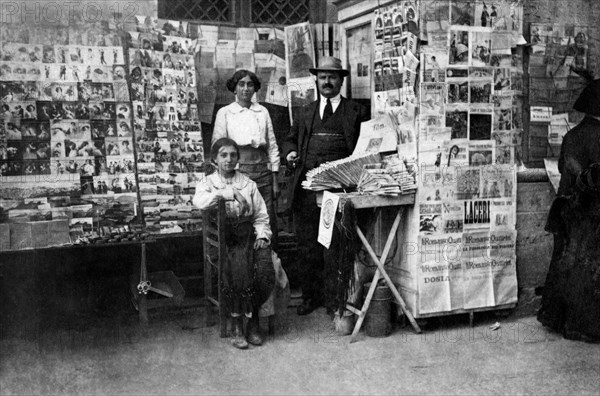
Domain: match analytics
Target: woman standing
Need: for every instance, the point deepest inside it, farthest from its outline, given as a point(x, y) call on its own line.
point(249, 276)
point(571, 297)
point(249, 125)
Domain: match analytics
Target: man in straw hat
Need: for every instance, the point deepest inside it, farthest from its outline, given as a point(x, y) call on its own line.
point(325, 130)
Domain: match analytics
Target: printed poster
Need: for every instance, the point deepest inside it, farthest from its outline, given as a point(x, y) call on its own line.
point(327, 219)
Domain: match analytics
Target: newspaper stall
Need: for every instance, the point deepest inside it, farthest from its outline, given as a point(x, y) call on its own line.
point(459, 255)
point(446, 97)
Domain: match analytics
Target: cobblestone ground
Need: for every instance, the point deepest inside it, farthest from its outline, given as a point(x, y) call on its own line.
point(177, 355)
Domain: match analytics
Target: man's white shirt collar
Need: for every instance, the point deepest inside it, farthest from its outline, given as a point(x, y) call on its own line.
point(335, 102)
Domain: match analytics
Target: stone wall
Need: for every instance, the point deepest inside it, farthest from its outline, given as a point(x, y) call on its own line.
point(534, 245)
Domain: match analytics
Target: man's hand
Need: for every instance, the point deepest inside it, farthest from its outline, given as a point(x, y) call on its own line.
point(244, 206)
point(276, 190)
point(261, 243)
point(292, 159)
point(595, 175)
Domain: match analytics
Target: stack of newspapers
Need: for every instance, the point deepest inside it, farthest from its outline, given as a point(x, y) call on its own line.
point(377, 180)
point(403, 172)
point(342, 173)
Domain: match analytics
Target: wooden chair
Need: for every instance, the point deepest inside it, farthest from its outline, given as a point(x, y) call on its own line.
point(213, 236)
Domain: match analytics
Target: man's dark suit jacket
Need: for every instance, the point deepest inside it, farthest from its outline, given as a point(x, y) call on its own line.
point(352, 114)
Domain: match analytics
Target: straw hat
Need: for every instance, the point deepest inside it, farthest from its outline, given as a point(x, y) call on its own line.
point(330, 63)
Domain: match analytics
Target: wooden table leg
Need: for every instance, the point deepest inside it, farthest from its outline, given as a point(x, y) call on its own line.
point(143, 304)
point(143, 310)
point(378, 272)
point(389, 282)
point(361, 314)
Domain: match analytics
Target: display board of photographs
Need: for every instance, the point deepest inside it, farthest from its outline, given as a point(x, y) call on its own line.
point(166, 122)
point(66, 149)
point(395, 55)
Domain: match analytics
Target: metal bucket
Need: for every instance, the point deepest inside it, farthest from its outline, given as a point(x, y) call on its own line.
point(378, 319)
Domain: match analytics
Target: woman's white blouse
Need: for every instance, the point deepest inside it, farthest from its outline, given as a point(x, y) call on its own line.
point(212, 187)
point(248, 127)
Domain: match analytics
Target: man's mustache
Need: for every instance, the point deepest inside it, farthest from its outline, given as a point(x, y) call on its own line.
point(327, 85)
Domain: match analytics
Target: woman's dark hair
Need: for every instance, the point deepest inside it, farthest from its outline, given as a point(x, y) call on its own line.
point(223, 142)
point(238, 75)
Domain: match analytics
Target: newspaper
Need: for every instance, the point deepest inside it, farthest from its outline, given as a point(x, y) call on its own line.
point(481, 153)
point(540, 114)
point(225, 54)
point(378, 180)
point(359, 47)
point(434, 62)
point(553, 172)
point(376, 135)
point(481, 47)
point(432, 99)
point(457, 153)
point(558, 128)
point(244, 55)
point(502, 215)
point(342, 173)
point(300, 57)
point(327, 218)
point(436, 20)
point(439, 273)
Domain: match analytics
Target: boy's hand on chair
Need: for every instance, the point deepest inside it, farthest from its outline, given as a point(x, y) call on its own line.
point(261, 243)
point(244, 206)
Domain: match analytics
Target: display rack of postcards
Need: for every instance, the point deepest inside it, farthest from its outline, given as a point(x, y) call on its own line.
point(66, 149)
point(112, 235)
point(167, 129)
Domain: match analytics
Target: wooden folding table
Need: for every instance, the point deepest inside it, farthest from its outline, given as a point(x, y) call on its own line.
point(378, 202)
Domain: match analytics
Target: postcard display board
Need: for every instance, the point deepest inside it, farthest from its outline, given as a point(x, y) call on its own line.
point(179, 72)
point(66, 157)
point(459, 251)
point(166, 121)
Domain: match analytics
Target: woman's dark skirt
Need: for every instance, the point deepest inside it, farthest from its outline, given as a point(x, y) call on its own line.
point(571, 297)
